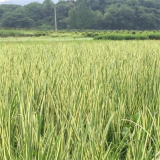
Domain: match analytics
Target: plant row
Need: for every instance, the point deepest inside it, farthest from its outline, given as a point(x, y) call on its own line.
point(152, 36)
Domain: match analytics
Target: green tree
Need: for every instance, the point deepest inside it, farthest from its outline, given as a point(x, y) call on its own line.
point(148, 21)
point(119, 17)
point(16, 20)
point(34, 10)
point(72, 19)
point(111, 17)
point(98, 20)
point(63, 9)
point(48, 7)
point(84, 16)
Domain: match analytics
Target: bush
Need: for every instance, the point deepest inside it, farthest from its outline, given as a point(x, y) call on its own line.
point(145, 31)
point(126, 31)
point(133, 32)
point(95, 34)
point(154, 36)
point(120, 32)
point(63, 31)
point(101, 33)
point(47, 33)
point(38, 34)
point(114, 32)
point(151, 36)
point(121, 37)
point(139, 32)
point(43, 33)
point(89, 34)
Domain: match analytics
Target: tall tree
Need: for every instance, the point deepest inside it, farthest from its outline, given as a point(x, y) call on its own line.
point(48, 7)
point(84, 16)
point(63, 9)
point(72, 19)
point(34, 10)
point(16, 20)
point(98, 20)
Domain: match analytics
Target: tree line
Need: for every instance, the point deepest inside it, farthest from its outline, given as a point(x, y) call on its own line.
point(84, 14)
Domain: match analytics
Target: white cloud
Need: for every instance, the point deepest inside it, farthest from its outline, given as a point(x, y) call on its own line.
point(3, 0)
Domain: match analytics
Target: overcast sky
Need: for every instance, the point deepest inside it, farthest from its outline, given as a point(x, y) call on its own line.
point(22, 2)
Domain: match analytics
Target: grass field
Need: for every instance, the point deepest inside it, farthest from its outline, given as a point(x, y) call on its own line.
point(79, 100)
point(43, 40)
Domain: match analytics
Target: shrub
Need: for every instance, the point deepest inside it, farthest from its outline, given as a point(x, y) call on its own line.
point(89, 34)
point(139, 32)
point(121, 37)
point(145, 31)
point(114, 32)
point(126, 31)
point(38, 34)
point(154, 36)
point(96, 34)
point(120, 32)
point(47, 33)
point(101, 33)
point(43, 33)
point(133, 32)
point(150, 36)
point(63, 31)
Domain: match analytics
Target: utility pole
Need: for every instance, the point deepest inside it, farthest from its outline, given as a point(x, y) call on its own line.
point(55, 18)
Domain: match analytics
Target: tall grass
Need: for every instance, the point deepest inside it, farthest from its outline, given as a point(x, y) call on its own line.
point(80, 100)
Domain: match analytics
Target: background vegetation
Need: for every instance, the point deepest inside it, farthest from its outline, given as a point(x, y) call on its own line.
point(84, 14)
point(92, 34)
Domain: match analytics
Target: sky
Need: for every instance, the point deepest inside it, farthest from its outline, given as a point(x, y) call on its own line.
point(22, 2)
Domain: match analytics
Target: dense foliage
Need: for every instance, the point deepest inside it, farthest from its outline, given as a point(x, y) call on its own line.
point(84, 14)
point(115, 36)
